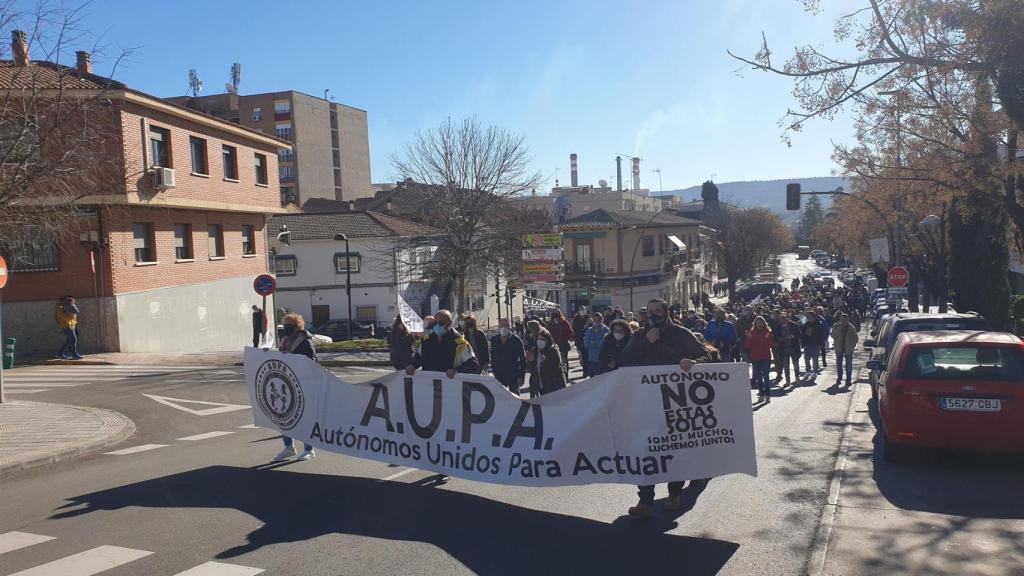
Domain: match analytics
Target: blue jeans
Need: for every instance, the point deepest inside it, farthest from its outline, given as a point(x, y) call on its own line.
point(288, 442)
point(70, 343)
point(844, 359)
point(811, 354)
point(593, 368)
point(761, 376)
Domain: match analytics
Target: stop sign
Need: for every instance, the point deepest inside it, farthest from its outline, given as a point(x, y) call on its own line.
point(898, 277)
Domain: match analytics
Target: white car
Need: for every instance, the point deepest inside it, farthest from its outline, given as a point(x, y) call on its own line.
point(319, 339)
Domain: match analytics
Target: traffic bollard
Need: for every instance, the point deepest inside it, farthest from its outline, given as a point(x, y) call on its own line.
point(9, 353)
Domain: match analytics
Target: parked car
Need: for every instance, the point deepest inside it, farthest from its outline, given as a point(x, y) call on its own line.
point(895, 324)
point(338, 329)
point(952, 389)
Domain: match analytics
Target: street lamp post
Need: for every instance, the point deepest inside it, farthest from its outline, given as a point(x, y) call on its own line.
point(348, 280)
point(632, 261)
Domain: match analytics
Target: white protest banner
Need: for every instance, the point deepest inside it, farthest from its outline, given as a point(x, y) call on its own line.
point(641, 425)
point(536, 305)
point(410, 318)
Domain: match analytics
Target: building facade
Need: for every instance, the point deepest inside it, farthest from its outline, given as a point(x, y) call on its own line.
point(618, 258)
point(163, 258)
point(330, 153)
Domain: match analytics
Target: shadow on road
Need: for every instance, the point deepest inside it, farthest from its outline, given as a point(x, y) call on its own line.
point(488, 537)
point(967, 484)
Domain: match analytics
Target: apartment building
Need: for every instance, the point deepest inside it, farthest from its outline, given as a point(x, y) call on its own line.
point(330, 152)
point(620, 258)
point(162, 255)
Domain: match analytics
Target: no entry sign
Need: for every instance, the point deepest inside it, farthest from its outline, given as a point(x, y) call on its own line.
point(264, 285)
point(898, 277)
point(3, 272)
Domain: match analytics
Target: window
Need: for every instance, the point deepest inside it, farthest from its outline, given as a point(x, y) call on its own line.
point(334, 139)
point(336, 158)
point(583, 257)
point(286, 172)
point(366, 314)
point(282, 106)
point(142, 235)
point(197, 146)
point(230, 162)
point(285, 265)
point(35, 251)
point(334, 119)
point(285, 155)
point(248, 239)
point(970, 363)
point(340, 262)
point(183, 242)
point(337, 177)
point(257, 114)
point(648, 245)
point(261, 169)
point(287, 194)
point(216, 240)
point(283, 131)
point(159, 147)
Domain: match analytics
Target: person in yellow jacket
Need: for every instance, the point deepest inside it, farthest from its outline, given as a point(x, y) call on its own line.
point(67, 319)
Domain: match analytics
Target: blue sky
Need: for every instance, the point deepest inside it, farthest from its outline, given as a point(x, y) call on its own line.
point(594, 77)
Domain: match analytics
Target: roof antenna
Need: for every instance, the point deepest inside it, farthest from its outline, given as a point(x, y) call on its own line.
point(195, 85)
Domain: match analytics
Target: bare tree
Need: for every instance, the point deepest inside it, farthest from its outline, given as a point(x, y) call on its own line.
point(471, 174)
point(746, 236)
point(59, 130)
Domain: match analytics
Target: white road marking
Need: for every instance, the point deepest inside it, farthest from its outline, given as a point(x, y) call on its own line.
point(205, 436)
point(24, 390)
point(94, 561)
point(249, 426)
point(220, 569)
point(15, 540)
point(398, 474)
point(204, 381)
point(136, 449)
point(220, 407)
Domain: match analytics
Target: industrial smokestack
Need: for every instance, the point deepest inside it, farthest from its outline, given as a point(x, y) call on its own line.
point(572, 169)
point(618, 173)
point(636, 173)
point(19, 48)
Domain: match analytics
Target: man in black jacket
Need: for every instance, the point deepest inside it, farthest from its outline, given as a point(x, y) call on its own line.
point(508, 360)
point(661, 343)
point(579, 328)
point(445, 350)
point(257, 325)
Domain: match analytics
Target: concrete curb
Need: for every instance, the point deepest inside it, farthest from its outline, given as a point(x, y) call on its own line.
point(125, 429)
point(83, 362)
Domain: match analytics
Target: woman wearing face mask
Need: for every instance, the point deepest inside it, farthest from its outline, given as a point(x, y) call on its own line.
point(546, 374)
point(614, 344)
point(296, 341)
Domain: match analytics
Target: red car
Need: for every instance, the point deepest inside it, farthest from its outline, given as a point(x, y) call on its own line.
point(953, 389)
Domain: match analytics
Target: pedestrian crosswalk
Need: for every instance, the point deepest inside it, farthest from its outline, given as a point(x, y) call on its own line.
point(102, 558)
point(36, 379)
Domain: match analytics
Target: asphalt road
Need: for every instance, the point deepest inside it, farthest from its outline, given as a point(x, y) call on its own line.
point(201, 489)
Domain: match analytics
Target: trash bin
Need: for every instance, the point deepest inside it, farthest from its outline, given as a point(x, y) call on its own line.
point(9, 353)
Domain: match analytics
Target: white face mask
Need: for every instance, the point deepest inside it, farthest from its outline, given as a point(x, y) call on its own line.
point(503, 331)
point(619, 335)
point(462, 323)
point(542, 344)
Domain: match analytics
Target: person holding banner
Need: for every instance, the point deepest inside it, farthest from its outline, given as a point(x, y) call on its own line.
point(444, 350)
point(661, 343)
point(614, 344)
point(508, 358)
point(296, 341)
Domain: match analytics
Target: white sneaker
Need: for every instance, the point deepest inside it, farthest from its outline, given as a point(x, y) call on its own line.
point(285, 454)
point(307, 454)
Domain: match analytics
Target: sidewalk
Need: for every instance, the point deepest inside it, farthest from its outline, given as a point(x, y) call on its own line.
point(35, 433)
point(228, 358)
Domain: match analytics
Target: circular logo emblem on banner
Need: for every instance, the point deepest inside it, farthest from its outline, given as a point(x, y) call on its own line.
point(279, 394)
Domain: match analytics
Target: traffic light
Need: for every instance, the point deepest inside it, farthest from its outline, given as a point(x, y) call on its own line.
point(793, 196)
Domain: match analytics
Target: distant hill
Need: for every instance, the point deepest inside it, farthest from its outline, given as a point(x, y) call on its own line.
point(768, 193)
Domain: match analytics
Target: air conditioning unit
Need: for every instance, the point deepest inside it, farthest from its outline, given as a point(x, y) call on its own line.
point(163, 177)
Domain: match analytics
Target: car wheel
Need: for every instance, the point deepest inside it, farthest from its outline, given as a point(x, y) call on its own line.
point(891, 451)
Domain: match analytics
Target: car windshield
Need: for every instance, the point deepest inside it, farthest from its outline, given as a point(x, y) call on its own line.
point(966, 363)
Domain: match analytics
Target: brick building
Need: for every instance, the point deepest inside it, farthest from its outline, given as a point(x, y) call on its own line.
point(162, 256)
point(330, 152)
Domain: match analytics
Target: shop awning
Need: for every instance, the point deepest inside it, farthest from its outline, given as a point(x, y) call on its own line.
point(675, 240)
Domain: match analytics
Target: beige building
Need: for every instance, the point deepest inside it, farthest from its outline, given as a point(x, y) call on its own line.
point(620, 258)
point(330, 155)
